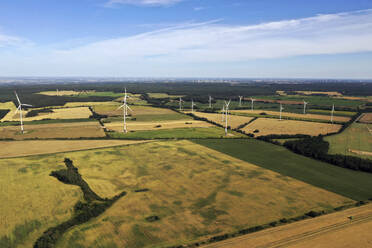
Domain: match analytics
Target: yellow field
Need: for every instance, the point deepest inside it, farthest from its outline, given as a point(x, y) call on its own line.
point(268, 126)
point(366, 118)
point(59, 130)
point(90, 104)
point(333, 230)
point(60, 113)
point(31, 200)
point(196, 193)
point(293, 115)
point(136, 125)
point(62, 93)
point(234, 121)
point(137, 111)
point(38, 147)
point(163, 95)
point(7, 105)
point(328, 93)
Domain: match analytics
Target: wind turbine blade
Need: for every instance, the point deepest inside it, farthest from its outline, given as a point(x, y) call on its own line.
point(27, 105)
point(17, 98)
point(18, 109)
point(120, 107)
point(129, 108)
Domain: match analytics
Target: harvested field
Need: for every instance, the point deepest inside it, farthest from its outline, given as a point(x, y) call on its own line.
point(58, 113)
point(292, 115)
point(139, 112)
point(366, 118)
point(62, 93)
point(357, 136)
point(7, 105)
point(38, 147)
point(234, 121)
point(163, 95)
point(136, 125)
point(90, 104)
point(326, 93)
point(32, 201)
point(267, 126)
point(194, 192)
point(59, 130)
point(333, 230)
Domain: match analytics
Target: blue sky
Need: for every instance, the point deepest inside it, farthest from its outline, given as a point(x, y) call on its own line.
point(186, 38)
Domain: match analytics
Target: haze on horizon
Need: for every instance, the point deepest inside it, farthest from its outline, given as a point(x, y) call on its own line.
point(186, 38)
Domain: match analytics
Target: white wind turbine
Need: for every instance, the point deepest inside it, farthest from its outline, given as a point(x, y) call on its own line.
point(252, 102)
point(20, 110)
point(192, 105)
point(223, 112)
point(281, 110)
point(227, 104)
point(305, 104)
point(240, 100)
point(181, 101)
point(210, 101)
point(125, 111)
point(332, 112)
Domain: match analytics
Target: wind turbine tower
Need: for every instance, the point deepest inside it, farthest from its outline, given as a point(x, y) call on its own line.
point(125, 111)
point(240, 100)
point(20, 110)
point(181, 101)
point(226, 114)
point(192, 105)
point(332, 112)
point(210, 101)
point(305, 104)
point(281, 110)
point(252, 102)
point(223, 112)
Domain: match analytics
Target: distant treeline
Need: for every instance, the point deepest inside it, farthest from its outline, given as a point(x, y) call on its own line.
point(198, 91)
point(317, 148)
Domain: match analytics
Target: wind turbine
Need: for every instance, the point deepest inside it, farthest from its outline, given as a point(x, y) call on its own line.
point(240, 100)
point(223, 112)
point(57, 92)
point(210, 101)
point(226, 114)
point(192, 105)
point(333, 110)
point(181, 101)
point(125, 111)
point(252, 102)
point(305, 104)
point(20, 110)
point(281, 109)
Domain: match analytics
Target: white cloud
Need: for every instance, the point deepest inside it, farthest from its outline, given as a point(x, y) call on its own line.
point(6, 40)
point(144, 2)
point(199, 46)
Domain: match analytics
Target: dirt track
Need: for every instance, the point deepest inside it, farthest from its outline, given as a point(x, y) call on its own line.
point(333, 230)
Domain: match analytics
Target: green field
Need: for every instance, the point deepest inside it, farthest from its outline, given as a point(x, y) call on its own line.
point(355, 137)
point(353, 184)
point(177, 133)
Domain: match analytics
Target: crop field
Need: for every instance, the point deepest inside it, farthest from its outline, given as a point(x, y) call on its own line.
point(58, 113)
point(328, 112)
point(163, 95)
point(32, 201)
point(326, 93)
point(38, 147)
point(332, 230)
point(357, 137)
point(136, 125)
point(177, 133)
point(353, 184)
point(7, 105)
point(60, 93)
point(234, 121)
point(141, 113)
point(266, 126)
point(366, 118)
point(262, 113)
point(58, 130)
point(89, 104)
point(195, 192)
